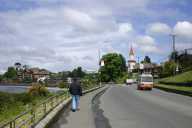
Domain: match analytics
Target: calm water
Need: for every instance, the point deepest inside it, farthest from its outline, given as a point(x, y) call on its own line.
point(20, 89)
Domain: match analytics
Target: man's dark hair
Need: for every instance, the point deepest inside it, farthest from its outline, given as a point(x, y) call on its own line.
point(75, 79)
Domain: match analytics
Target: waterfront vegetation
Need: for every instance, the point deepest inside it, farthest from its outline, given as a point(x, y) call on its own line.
point(12, 104)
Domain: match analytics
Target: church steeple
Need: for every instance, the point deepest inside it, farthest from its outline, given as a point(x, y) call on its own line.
point(131, 54)
point(131, 51)
point(131, 61)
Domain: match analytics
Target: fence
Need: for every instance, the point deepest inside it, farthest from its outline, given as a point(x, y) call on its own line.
point(36, 113)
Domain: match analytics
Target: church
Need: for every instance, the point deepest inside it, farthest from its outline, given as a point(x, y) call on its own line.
point(131, 60)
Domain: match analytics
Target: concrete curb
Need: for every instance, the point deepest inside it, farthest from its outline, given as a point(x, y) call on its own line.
point(49, 118)
point(185, 93)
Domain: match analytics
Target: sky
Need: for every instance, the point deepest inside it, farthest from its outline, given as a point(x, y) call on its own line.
point(62, 34)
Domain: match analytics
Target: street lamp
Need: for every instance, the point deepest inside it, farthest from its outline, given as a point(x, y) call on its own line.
point(173, 35)
point(101, 64)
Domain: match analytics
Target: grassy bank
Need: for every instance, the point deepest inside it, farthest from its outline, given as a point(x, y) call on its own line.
point(179, 84)
point(179, 88)
point(180, 78)
point(13, 104)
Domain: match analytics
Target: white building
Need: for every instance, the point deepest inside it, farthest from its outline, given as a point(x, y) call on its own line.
point(131, 60)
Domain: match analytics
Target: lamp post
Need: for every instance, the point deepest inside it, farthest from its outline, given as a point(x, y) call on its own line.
point(173, 36)
point(101, 64)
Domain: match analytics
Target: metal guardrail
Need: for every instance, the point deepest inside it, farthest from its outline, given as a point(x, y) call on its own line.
point(36, 113)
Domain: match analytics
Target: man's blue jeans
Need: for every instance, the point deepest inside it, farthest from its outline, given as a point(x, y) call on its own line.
point(75, 102)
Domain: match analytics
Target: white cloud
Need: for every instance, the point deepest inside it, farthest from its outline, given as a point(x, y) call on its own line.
point(147, 44)
point(125, 27)
point(54, 38)
point(62, 34)
point(145, 40)
point(158, 28)
point(184, 29)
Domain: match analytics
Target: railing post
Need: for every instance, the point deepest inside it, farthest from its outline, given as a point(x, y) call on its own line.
point(51, 103)
point(33, 115)
point(14, 124)
point(44, 108)
point(57, 100)
point(11, 125)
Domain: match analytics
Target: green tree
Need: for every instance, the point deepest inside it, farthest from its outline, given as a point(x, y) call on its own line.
point(63, 85)
point(114, 67)
point(11, 73)
point(173, 56)
point(169, 68)
point(185, 60)
point(1, 78)
point(147, 59)
point(78, 72)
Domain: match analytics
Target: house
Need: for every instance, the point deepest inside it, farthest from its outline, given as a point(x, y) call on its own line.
point(148, 68)
point(32, 74)
point(39, 73)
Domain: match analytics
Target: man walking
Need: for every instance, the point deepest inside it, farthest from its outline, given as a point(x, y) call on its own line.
point(76, 91)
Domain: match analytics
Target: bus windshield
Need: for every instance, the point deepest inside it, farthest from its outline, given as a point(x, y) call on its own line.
point(146, 79)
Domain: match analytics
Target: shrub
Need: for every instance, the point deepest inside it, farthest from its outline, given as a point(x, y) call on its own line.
point(63, 85)
point(24, 98)
point(38, 90)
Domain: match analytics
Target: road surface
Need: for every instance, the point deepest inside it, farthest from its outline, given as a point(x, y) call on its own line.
point(126, 107)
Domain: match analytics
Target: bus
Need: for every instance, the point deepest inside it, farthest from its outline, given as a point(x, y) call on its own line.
point(145, 82)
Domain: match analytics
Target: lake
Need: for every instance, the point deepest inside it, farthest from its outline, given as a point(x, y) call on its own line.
point(20, 89)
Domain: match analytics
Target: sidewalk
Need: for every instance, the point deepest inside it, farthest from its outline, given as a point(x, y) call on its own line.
point(79, 119)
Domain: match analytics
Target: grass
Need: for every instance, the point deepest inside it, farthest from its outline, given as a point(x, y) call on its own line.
point(12, 105)
point(181, 78)
point(180, 88)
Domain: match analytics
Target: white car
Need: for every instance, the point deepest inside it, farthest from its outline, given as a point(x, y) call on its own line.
point(129, 81)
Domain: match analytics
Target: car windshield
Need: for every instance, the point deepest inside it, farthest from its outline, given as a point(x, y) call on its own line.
point(146, 79)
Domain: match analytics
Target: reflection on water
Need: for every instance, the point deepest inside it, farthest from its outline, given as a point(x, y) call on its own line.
point(20, 89)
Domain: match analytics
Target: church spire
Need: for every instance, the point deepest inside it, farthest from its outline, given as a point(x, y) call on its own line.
point(131, 53)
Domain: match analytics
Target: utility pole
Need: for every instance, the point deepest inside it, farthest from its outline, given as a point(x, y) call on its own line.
point(174, 50)
point(138, 65)
point(173, 41)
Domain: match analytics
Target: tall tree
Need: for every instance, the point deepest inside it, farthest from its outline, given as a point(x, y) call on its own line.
point(17, 65)
point(78, 72)
point(114, 67)
point(185, 61)
point(169, 68)
point(147, 59)
point(11, 73)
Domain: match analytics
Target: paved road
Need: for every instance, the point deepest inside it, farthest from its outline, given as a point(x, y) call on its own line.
point(126, 107)
point(80, 119)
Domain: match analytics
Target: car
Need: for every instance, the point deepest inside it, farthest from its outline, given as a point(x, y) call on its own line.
point(129, 81)
point(145, 82)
